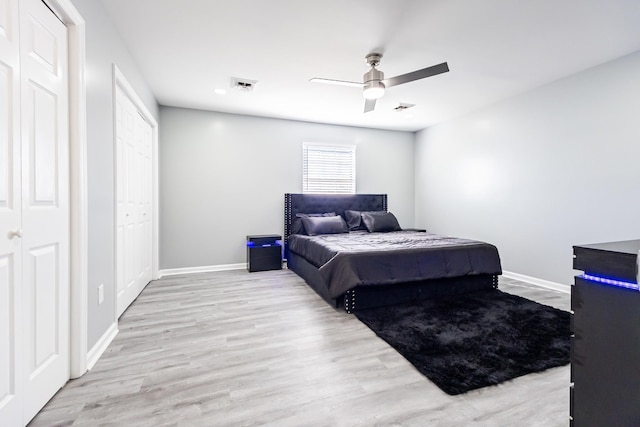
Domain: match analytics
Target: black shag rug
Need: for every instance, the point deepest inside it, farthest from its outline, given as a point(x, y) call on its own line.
point(474, 340)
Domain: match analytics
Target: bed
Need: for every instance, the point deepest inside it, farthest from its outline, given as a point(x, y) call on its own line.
point(357, 269)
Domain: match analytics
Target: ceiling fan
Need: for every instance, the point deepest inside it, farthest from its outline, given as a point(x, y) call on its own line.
point(373, 82)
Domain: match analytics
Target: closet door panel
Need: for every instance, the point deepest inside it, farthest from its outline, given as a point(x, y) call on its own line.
point(7, 320)
point(144, 185)
point(7, 137)
point(10, 361)
point(120, 205)
point(44, 262)
point(45, 203)
point(9, 134)
point(127, 193)
point(11, 388)
point(43, 148)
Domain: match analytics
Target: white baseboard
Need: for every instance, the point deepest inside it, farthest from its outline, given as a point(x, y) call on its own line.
point(538, 282)
point(203, 269)
point(101, 346)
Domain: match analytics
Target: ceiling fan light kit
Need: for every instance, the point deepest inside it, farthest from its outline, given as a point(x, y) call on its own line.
point(374, 84)
point(373, 90)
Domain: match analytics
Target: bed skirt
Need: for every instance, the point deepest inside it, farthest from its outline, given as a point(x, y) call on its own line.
point(363, 297)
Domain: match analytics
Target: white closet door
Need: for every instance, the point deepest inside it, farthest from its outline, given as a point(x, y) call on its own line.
point(126, 207)
point(34, 209)
point(45, 203)
point(133, 196)
point(144, 202)
point(10, 219)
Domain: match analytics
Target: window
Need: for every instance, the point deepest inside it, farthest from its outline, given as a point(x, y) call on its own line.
point(328, 168)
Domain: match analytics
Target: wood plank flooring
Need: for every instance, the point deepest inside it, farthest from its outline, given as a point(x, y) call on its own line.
point(244, 349)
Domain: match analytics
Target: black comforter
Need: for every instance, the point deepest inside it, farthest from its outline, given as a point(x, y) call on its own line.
point(361, 258)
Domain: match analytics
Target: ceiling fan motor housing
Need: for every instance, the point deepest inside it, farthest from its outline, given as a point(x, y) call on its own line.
point(373, 75)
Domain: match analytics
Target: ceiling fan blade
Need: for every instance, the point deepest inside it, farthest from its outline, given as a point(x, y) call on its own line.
point(416, 75)
point(369, 105)
point(335, 82)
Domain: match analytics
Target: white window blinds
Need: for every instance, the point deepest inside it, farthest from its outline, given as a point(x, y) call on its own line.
point(328, 168)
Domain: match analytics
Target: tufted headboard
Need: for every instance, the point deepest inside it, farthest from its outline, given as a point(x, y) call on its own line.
point(319, 203)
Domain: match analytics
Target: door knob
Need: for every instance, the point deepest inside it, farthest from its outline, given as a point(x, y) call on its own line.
point(14, 233)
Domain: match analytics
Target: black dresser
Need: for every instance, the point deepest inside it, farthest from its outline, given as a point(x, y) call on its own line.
point(605, 346)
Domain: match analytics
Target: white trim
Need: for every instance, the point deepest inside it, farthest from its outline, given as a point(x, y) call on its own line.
point(121, 81)
point(538, 282)
point(78, 304)
point(203, 269)
point(101, 346)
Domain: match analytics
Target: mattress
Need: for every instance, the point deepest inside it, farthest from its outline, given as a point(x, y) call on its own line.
point(360, 258)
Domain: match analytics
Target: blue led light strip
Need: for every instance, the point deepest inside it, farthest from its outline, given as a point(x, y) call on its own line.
point(612, 282)
point(253, 244)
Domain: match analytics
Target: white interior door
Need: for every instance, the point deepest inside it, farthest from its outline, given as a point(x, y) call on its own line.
point(45, 203)
point(144, 214)
point(34, 209)
point(125, 207)
point(134, 201)
point(10, 219)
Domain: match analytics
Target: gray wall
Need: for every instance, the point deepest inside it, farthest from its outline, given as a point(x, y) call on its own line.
point(540, 172)
point(223, 176)
point(104, 48)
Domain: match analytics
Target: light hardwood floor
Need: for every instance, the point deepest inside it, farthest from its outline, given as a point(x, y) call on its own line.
point(243, 349)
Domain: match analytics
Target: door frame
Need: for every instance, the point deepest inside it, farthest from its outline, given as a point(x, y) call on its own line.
point(120, 81)
point(78, 196)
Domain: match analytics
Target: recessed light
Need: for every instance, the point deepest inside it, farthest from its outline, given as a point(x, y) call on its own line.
point(220, 91)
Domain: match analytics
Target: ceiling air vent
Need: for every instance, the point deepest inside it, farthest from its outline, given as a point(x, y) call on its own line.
point(404, 106)
point(243, 85)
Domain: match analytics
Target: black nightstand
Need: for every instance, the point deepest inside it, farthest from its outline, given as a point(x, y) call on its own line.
point(264, 252)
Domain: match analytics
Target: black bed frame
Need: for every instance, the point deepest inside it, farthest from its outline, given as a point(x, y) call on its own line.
point(362, 297)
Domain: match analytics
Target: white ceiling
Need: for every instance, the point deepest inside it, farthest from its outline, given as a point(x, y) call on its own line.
point(495, 49)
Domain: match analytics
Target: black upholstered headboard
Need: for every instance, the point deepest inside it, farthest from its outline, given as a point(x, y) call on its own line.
point(319, 203)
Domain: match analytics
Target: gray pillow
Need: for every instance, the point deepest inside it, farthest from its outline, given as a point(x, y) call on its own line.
point(354, 220)
point(380, 221)
point(298, 228)
point(324, 225)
